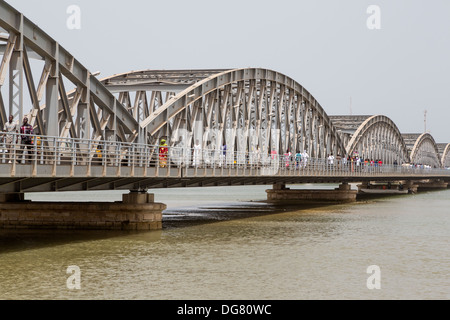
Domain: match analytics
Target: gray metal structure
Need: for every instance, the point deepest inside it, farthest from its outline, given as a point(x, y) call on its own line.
point(372, 137)
point(444, 151)
point(245, 109)
point(258, 114)
point(423, 149)
point(67, 164)
point(94, 113)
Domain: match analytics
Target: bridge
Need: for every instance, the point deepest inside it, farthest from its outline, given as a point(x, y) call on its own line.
point(222, 127)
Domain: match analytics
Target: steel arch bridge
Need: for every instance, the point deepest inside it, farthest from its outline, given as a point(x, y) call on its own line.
point(423, 149)
point(248, 110)
point(444, 150)
point(372, 137)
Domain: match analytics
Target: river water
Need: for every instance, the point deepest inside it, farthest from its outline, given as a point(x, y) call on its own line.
point(221, 243)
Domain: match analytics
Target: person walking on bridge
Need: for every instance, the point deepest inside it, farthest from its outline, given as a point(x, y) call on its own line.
point(298, 159)
point(274, 158)
point(26, 130)
point(330, 161)
point(163, 150)
point(196, 154)
point(305, 157)
point(223, 155)
point(8, 137)
point(287, 158)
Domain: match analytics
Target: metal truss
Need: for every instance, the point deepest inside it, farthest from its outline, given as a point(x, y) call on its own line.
point(378, 138)
point(425, 151)
point(248, 110)
point(93, 113)
point(445, 159)
point(251, 110)
point(66, 164)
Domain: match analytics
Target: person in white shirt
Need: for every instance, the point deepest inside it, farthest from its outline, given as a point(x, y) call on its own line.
point(305, 157)
point(330, 161)
point(196, 155)
point(9, 128)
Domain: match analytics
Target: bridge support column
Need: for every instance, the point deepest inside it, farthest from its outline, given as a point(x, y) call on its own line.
point(284, 195)
point(369, 189)
point(11, 197)
point(279, 186)
point(411, 186)
point(431, 185)
point(136, 211)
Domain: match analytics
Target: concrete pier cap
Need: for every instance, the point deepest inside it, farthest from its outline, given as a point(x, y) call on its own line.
point(138, 197)
point(136, 211)
point(282, 195)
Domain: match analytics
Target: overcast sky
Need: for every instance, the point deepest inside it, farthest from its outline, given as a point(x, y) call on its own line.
point(399, 70)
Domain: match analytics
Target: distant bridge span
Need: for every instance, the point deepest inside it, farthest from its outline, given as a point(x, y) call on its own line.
point(372, 137)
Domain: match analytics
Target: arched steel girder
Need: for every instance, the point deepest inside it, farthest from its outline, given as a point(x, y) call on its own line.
point(425, 151)
point(248, 109)
point(445, 160)
point(379, 137)
point(95, 108)
point(157, 80)
point(143, 92)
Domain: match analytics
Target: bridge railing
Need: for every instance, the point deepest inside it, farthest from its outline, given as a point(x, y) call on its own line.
point(18, 149)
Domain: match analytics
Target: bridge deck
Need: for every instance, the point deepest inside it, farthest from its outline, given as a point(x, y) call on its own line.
point(64, 164)
point(43, 178)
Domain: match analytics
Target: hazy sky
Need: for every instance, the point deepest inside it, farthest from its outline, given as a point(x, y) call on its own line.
point(399, 70)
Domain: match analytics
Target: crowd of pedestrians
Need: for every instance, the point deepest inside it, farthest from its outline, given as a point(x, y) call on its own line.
point(18, 141)
point(18, 145)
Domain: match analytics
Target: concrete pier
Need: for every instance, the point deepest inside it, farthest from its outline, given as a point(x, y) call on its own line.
point(281, 194)
point(386, 188)
point(430, 185)
point(136, 211)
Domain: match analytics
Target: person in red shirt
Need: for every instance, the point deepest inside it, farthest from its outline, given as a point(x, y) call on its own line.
point(163, 150)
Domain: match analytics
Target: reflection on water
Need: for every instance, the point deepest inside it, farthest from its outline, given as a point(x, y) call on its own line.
point(218, 244)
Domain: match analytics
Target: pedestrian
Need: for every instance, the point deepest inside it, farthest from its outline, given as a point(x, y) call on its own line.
point(287, 158)
point(10, 128)
point(26, 140)
point(196, 155)
point(274, 157)
point(163, 151)
point(305, 157)
point(258, 157)
point(330, 161)
point(339, 161)
point(177, 152)
point(298, 159)
point(223, 155)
